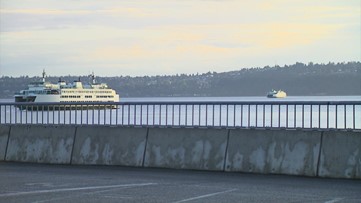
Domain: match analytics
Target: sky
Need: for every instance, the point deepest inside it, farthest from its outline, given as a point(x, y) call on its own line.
point(167, 37)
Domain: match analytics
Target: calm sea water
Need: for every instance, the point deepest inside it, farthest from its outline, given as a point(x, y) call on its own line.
point(204, 115)
point(289, 98)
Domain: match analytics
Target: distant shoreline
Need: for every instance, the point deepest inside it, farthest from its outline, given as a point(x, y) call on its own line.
point(341, 79)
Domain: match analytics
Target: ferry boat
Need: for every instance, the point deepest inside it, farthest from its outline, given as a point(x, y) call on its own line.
point(62, 92)
point(276, 94)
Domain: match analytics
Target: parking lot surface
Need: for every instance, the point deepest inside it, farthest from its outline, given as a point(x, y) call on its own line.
point(24, 182)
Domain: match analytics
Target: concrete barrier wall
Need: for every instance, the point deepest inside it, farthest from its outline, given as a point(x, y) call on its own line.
point(4, 136)
point(334, 154)
point(40, 144)
point(109, 146)
point(341, 155)
point(270, 151)
point(185, 148)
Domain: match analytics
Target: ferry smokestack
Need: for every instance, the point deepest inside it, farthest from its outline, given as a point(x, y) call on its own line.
point(44, 75)
point(92, 78)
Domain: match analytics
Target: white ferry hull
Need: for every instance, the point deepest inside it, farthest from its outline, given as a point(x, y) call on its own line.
point(63, 93)
point(39, 98)
point(62, 103)
point(63, 107)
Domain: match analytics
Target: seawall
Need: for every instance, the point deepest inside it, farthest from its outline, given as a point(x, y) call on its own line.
point(334, 154)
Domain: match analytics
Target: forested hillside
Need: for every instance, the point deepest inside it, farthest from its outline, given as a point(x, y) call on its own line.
point(298, 79)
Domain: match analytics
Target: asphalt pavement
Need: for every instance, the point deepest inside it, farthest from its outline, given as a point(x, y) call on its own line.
point(25, 182)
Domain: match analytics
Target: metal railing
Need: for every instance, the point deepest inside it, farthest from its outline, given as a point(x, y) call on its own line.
point(315, 115)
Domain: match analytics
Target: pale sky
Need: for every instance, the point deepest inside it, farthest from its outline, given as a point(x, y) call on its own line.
point(166, 37)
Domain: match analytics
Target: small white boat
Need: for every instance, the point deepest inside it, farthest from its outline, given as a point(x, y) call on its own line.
point(276, 94)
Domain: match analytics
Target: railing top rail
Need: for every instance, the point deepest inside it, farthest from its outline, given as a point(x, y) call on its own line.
point(276, 114)
point(189, 103)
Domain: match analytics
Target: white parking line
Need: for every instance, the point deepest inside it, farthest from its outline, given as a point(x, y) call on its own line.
point(73, 189)
point(335, 200)
point(204, 196)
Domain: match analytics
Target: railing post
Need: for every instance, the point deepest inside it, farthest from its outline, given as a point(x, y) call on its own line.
point(30, 113)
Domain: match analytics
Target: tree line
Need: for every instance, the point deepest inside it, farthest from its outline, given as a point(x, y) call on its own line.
point(297, 79)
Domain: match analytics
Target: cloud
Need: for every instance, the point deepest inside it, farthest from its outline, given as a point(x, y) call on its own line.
point(48, 18)
point(132, 12)
point(290, 35)
point(45, 11)
point(132, 36)
point(177, 42)
point(176, 46)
